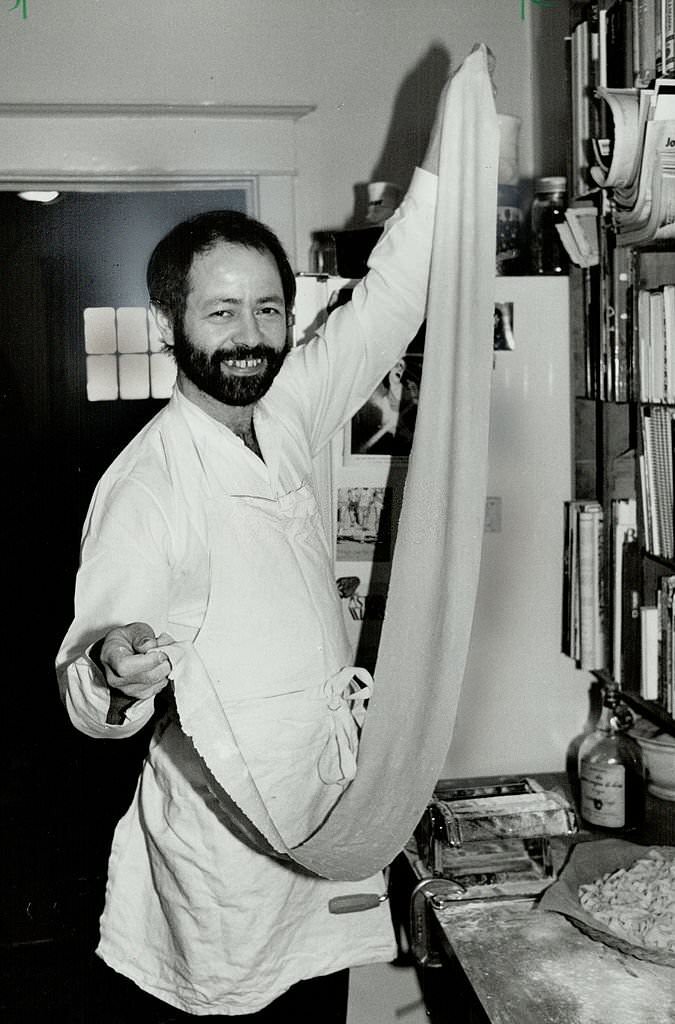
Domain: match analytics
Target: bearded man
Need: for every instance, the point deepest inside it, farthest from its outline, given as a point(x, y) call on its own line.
point(205, 531)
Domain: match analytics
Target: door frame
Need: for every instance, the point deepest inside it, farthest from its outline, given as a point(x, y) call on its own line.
point(153, 146)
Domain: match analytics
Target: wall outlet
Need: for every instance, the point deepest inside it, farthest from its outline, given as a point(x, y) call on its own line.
point(493, 515)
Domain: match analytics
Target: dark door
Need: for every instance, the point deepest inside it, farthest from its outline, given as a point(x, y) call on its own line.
point(61, 793)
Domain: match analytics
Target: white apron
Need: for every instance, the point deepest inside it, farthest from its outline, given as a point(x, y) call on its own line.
point(272, 661)
point(267, 706)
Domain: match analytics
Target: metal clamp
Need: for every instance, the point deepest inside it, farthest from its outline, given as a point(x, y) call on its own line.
point(435, 893)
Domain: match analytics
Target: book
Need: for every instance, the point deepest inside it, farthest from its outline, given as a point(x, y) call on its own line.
point(669, 343)
point(618, 32)
point(664, 687)
point(649, 658)
point(566, 644)
point(650, 330)
point(643, 344)
point(669, 22)
point(584, 632)
point(592, 624)
point(656, 423)
point(571, 642)
point(646, 32)
point(659, 36)
point(629, 664)
point(654, 268)
point(580, 50)
point(623, 530)
point(623, 349)
point(656, 342)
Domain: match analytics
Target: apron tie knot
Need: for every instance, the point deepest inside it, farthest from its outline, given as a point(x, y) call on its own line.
point(346, 693)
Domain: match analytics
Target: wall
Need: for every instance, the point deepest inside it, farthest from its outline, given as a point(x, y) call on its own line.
point(372, 68)
point(523, 703)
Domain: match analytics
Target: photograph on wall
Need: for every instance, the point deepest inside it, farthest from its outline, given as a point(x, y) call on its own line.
point(363, 524)
point(503, 327)
point(361, 606)
point(364, 598)
point(384, 426)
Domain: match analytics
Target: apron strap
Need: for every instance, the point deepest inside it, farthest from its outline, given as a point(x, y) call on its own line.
point(346, 693)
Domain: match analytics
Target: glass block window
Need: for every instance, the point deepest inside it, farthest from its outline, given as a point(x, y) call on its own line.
point(124, 355)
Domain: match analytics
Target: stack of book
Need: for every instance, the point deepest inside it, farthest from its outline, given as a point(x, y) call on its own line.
point(632, 356)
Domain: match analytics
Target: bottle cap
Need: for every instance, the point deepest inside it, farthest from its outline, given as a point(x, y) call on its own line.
point(551, 184)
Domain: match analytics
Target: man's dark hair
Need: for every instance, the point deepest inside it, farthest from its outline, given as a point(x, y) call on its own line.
point(169, 265)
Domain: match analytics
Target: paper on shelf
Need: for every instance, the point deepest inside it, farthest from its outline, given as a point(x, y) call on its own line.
point(624, 106)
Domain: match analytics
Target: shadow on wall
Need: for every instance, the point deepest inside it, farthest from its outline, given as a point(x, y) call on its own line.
point(409, 127)
point(551, 126)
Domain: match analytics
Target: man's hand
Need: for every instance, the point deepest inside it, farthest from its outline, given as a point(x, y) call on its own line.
point(133, 662)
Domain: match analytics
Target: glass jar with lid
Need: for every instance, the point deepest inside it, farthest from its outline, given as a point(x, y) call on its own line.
point(548, 210)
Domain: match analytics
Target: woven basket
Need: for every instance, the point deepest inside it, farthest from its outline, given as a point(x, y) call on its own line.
point(587, 862)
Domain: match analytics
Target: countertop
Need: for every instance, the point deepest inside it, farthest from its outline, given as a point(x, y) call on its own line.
point(531, 966)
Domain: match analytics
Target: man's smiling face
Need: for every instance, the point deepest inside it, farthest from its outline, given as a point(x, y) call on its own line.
point(233, 338)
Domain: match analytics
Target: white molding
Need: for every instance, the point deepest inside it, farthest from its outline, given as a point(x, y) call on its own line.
point(131, 182)
point(143, 146)
point(109, 144)
point(90, 148)
point(291, 112)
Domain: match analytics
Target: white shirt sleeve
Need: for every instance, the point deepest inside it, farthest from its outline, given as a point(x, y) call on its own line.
point(87, 701)
point(122, 578)
point(335, 373)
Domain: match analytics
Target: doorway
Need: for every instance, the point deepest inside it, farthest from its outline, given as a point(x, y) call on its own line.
point(62, 792)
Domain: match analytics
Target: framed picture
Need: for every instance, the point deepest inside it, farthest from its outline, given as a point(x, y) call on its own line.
point(383, 427)
point(363, 531)
point(503, 327)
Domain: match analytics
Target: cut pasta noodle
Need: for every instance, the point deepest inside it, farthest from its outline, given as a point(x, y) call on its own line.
point(636, 903)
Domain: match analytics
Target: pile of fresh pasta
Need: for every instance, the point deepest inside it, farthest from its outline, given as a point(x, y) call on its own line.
point(636, 903)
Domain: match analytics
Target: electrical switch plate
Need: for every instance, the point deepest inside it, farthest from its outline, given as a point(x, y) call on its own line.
point(493, 515)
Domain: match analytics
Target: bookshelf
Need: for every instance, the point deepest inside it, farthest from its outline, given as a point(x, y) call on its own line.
point(621, 66)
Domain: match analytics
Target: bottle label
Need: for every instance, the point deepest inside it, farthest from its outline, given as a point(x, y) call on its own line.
point(603, 794)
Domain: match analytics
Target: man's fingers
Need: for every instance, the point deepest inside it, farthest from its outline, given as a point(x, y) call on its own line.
point(153, 665)
point(134, 661)
point(141, 635)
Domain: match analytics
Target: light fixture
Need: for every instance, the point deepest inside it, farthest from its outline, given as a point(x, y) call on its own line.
point(39, 197)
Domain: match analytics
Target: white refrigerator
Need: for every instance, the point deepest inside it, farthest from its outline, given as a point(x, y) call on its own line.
point(522, 701)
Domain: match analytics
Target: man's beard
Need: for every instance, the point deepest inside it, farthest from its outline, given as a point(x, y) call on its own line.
point(205, 370)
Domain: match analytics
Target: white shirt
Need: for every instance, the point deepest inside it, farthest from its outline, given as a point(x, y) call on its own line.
point(192, 914)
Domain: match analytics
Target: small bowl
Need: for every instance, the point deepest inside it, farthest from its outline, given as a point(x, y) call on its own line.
point(658, 753)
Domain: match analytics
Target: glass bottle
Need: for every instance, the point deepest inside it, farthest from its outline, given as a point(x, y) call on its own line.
point(322, 257)
point(611, 771)
point(548, 209)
